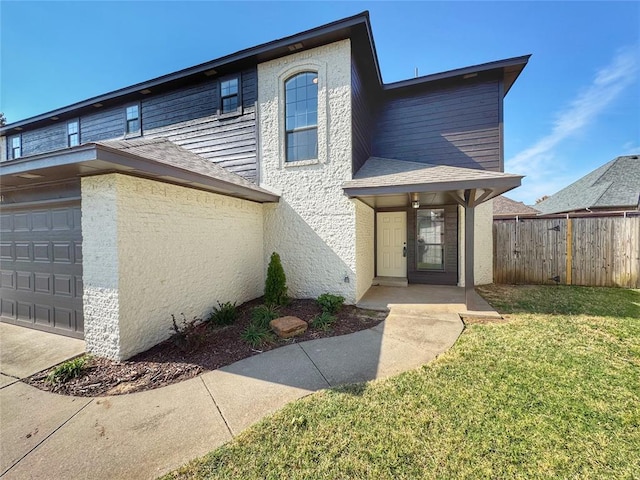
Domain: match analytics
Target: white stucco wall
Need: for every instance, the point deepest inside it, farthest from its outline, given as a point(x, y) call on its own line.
point(313, 227)
point(153, 249)
point(483, 244)
point(365, 249)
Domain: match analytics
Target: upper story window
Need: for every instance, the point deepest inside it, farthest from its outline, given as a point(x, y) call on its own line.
point(73, 134)
point(301, 116)
point(16, 146)
point(230, 95)
point(133, 119)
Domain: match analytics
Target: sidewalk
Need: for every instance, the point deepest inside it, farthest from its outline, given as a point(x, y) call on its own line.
point(144, 435)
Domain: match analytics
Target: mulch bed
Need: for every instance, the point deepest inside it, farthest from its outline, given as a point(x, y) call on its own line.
point(166, 363)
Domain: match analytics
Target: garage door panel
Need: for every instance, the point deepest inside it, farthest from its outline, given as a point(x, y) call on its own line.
point(41, 252)
point(42, 282)
point(7, 279)
point(63, 285)
point(6, 251)
point(7, 308)
point(21, 222)
point(24, 281)
point(25, 311)
point(42, 315)
point(41, 269)
point(23, 251)
point(41, 221)
point(62, 219)
point(62, 252)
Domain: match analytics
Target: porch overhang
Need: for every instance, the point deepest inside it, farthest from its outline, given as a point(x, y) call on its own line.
point(383, 182)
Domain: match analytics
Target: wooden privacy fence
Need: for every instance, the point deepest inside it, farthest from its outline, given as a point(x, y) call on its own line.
point(579, 250)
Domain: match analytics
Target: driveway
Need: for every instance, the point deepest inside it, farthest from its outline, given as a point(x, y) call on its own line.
point(144, 435)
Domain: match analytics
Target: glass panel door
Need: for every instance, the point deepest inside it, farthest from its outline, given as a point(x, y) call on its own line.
point(430, 241)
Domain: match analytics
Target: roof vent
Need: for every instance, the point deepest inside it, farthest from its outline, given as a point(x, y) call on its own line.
point(296, 46)
point(146, 91)
point(210, 73)
point(97, 105)
point(55, 118)
point(470, 75)
point(29, 176)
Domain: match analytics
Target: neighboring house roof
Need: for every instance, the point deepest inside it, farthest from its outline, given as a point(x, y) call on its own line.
point(156, 158)
point(385, 176)
point(504, 206)
point(615, 185)
point(357, 28)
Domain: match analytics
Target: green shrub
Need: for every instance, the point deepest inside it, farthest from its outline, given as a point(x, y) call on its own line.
point(256, 335)
point(323, 321)
point(263, 314)
point(186, 336)
point(224, 314)
point(275, 289)
point(330, 303)
point(68, 370)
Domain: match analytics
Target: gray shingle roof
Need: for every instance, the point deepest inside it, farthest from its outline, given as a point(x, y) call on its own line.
point(614, 185)
point(381, 172)
point(166, 152)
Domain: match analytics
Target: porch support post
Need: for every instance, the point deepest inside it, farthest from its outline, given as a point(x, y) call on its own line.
point(469, 217)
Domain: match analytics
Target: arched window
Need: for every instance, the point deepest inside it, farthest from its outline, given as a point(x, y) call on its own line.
point(301, 116)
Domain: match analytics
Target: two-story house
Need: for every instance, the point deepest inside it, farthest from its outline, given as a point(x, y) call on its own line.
point(166, 196)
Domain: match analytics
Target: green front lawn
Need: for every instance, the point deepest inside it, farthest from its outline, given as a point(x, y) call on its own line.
point(553, 392)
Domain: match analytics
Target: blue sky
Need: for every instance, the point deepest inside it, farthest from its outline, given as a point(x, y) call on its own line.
point(575, 107)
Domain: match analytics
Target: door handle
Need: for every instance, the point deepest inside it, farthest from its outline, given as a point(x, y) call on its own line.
point(404, 250)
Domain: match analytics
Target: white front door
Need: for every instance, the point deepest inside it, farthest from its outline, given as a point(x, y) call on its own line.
point(392, 244)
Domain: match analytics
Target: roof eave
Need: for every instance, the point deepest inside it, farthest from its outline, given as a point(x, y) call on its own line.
point(272, 49)
point(95, 159)
point(517, 64)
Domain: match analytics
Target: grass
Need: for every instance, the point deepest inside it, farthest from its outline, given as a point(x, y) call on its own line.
point(554, 392)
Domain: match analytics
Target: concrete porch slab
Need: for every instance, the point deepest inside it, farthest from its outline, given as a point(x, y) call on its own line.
point(25, 351)
point(427, 298)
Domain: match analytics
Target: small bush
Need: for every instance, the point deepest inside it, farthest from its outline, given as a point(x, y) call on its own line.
point(275, 288)
point(67, 370)
point(186, 336)
point(330, 303)
point(224, 314)
point(256, 335)
point(323, 321)
point(263, 314)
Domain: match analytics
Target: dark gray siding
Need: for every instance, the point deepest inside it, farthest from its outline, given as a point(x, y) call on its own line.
point(362, 108)
point(44, 139)
point(230, 141)
point(450, 274)
point(187, 116)
point(103, 125)
point(457, 125)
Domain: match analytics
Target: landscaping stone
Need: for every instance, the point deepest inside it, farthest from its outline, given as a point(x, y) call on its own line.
point(287, 327)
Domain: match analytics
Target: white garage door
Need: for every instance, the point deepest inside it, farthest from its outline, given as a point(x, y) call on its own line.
point(41, 267)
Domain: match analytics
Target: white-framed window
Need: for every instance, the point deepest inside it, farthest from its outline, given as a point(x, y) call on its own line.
point(133, 118)
point(301, 117)
point(16, 146)
point(230, 95)
point(73, 133)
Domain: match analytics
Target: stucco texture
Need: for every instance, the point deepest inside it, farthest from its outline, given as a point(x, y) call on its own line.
point(313, 227)
point(153, 249)
point(483, 244)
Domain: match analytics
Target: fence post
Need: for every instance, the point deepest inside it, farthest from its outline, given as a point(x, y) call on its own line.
point(569, 241)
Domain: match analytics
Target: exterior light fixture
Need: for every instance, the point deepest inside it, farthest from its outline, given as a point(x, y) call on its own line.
point(415, 200)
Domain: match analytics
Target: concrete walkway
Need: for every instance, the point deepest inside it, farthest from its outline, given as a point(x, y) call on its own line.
point(143, 435)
